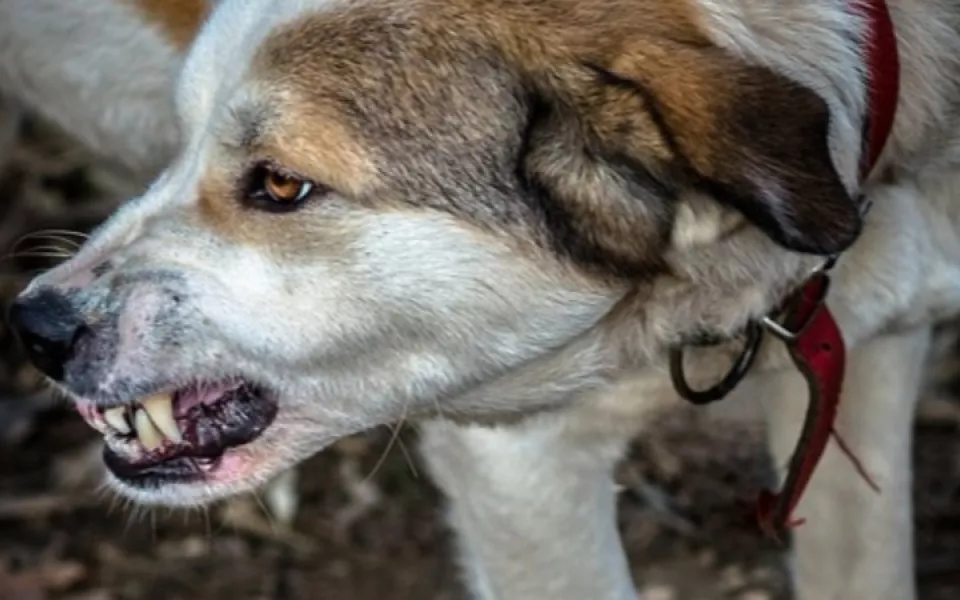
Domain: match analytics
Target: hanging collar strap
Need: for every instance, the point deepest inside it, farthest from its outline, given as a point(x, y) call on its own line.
point(804, 323)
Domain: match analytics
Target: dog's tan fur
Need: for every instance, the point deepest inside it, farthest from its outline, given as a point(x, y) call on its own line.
point(340, 162)
point(179, 19)
point(522, 206)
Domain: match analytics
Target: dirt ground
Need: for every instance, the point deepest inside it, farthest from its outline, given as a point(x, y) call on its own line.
point(368, 528)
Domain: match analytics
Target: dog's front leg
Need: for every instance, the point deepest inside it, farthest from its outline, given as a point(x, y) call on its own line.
point(534, 509)
point(857, 544)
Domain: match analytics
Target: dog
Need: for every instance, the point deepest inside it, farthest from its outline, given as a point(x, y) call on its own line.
point(500, 220)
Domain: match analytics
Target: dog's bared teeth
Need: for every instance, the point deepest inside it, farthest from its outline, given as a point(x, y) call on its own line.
point(149, 436)
point(117, 418)
point(160, 409)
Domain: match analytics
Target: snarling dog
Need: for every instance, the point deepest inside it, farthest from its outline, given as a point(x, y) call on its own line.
point(496, 218)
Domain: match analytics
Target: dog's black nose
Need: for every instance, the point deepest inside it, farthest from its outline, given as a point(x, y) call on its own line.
point(47, 324)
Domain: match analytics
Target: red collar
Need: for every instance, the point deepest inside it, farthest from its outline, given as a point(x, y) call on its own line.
point(808, 327)
point(883, 80)
point(817, 347)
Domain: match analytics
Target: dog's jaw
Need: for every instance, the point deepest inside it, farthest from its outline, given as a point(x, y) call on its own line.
point(237, 470)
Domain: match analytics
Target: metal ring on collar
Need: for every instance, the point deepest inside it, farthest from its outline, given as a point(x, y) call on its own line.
point(744, 361)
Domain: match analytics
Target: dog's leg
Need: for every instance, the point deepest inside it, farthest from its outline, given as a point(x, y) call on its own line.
point(534, 508)
point(857, 544)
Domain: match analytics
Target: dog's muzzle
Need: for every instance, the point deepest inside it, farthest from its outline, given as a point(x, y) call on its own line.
point(162, 421)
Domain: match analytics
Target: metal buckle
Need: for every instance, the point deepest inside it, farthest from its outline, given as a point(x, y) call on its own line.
point(790, 334)
point(744, 361)
point(754, 335)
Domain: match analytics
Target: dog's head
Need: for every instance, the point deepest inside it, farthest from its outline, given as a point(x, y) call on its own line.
point(382, 207)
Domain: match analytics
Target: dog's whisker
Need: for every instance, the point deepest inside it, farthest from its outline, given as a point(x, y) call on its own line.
point(403, 448)
point(52, 244)
point(67, 244)
point(205, 515)
point(41, 254)
point(386, 452)
point(67, 233)
point(132, 511)
point(408, 458)
point(61, 235)
point(268, 514)
point(52, 248)
point(53, 237)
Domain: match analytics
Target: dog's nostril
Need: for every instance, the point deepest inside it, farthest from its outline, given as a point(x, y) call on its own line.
point(47, 324)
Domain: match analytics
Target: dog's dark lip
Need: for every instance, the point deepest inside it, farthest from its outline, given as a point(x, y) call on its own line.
point(211, 419)
point(180, 469)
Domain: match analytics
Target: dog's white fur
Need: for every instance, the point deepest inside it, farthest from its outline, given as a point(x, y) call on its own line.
point(533, 503)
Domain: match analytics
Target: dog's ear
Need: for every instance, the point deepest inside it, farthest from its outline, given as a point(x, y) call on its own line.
point(683, 116)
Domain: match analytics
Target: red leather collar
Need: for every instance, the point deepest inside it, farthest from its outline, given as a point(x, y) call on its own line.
point(806, 324)
point(883, 80)
point(810, 330)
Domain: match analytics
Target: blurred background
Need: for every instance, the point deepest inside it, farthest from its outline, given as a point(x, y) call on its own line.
point(369, 525)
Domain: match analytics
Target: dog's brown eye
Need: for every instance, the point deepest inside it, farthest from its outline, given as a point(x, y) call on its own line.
point(286, 188)
point(276, 190)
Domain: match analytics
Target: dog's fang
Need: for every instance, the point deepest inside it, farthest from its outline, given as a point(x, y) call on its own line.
point(160, 410)
point(149, 436)
point(117, 418)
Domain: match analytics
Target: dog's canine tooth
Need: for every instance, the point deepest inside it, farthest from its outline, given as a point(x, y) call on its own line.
point(159, 408)
point(149, 436)
point(117, 418)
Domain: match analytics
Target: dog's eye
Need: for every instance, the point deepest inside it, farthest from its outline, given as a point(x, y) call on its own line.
point(286, 188)
point(276, 190)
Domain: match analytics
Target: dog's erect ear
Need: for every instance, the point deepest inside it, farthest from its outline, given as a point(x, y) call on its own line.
point(692, 115)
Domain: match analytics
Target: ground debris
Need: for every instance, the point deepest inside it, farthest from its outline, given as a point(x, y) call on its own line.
point(48, 574)
point(44, 505)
